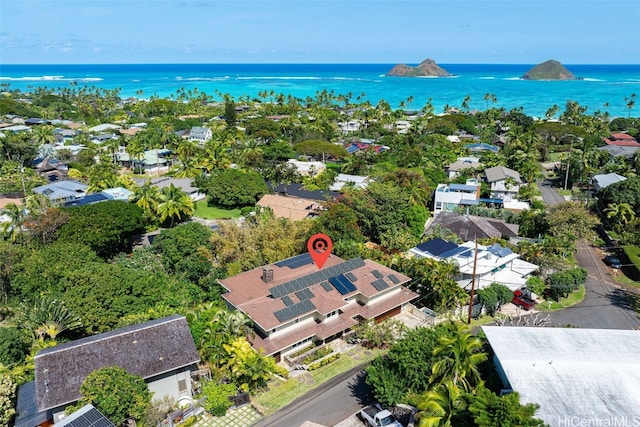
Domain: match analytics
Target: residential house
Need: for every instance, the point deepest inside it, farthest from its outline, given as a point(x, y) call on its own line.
point(605, 180)
point(153, 162)
point(200, 134)
point(293, 208)
point(293, 303)
point(578, 377)
point(184, 184)
point(103, 137)
point(616, 151)
point(117, 193)
point(621, 140)
point(469, 227)
point(350, 126)
point(356, 181)
point(63, 191)
point(160, 351)
point(492, 264)
point(298, 190)
point(307, 168)
point(463, 163)
point(364, 144)
point(104, 128)
point(447, 197)
point(51, 169)
point(505, 182)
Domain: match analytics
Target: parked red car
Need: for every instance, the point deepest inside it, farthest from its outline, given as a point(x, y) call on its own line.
point(522, 301)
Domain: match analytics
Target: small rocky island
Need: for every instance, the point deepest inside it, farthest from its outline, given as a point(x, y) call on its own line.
point(549, 70)
point(427, 68)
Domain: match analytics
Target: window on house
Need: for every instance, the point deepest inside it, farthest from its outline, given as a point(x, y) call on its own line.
point(182, 386)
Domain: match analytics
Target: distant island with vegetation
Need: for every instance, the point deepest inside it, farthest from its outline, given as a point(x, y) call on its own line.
point(549, 70)
point(427, 68)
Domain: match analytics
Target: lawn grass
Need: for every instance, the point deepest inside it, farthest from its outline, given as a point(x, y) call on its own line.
point(574, 298)
point(281, 393)
point(213, 212)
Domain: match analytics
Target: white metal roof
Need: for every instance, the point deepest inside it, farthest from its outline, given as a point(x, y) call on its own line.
point(577, 376)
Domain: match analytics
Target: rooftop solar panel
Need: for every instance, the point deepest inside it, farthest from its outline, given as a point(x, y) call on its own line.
point(380, 284)
point(304, 294)
point(376, 274)
point(294, 310)
point(287, 300)
point(313, 278)
point(351, 276)
point(394, 279)
point(342, 284)
point(296, 261)
point(326, 286)
point(436, 246)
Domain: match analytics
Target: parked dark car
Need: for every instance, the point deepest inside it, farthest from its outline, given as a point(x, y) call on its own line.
point(613, 261)
point(522, 301)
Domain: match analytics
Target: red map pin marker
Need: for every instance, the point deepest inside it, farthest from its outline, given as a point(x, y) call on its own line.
point(319, 246)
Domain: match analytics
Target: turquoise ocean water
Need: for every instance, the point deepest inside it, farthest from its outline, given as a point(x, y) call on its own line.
point(601, 84)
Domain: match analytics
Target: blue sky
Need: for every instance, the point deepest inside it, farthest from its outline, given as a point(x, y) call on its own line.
point(313, 31)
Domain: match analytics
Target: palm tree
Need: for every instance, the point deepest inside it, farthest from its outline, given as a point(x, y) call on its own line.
point(43, 135)
point(458, 356)
point(622, 212)
point(147, 196)
point(174, 203)
point(438, 406)
point(16, 216)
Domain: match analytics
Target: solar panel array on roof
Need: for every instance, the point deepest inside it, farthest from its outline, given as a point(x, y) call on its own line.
point(394, 279)
point(304, 294)
point(342, 284)
point(436, 246)
point(287, 300)
point(453, 252)
point(351, 276)
point(313, 278)
point(296, 261)
point(376, 274)
point(294, 310)
point(499, 251)
point(90, 418)
point(380, 284)
point(326, 286)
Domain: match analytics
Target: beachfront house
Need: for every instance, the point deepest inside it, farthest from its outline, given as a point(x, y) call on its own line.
point(160, 351)
point(292, 303)
point(492, 264)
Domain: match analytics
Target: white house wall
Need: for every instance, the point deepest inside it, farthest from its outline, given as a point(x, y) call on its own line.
point(169, 386)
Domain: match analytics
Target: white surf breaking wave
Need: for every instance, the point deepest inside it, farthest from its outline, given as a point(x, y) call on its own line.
point(588, 79)
point(486, 78)
point(202, 79)
point(51, 78)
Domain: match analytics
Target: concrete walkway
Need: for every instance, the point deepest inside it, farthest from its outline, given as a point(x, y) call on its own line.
point(240, 417)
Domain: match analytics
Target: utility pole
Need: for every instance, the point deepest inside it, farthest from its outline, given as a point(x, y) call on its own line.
point(566, 178)
point(473, 282)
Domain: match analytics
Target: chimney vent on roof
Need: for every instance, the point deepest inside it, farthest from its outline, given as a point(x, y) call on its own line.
point(267, 274)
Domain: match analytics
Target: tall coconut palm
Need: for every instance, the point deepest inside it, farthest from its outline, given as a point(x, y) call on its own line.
point(438, 406)
point(621, 212)
point(174, 203)
point(458, 355)
point(43, 134)
point(147, 197)
point(13, 226)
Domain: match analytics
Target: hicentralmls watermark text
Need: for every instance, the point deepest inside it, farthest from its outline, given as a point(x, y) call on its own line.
point(577, 421)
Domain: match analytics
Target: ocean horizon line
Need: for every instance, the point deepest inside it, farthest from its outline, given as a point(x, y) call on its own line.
point(307, 63)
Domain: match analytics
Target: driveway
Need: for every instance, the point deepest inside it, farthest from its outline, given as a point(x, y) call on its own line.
point(549, 194)
point(606, 305)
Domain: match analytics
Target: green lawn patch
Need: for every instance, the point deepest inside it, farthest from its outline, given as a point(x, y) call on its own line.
point(281, 393)
point(214, 212)
point(574, 298)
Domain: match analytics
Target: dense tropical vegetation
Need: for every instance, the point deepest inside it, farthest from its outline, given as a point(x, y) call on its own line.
point(68, 272)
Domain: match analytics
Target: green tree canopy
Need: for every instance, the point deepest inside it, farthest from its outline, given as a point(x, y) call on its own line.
point(232, 188)
point(117, 394)
point(317, 149)
point(14, 346)
point(112, 226)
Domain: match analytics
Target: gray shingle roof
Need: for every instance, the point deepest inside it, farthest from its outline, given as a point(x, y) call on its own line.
point(498, 173)
point(468, 227)
point(148, 349)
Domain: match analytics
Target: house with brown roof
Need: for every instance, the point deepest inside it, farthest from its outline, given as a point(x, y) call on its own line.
point(293, 208)
point(621, 140)
point(160, 351)
point(469, 227)
point(292, 302)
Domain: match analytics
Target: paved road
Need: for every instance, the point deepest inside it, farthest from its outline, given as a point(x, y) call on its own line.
point(328, 405)
point(606, 304)
point(549, 194)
